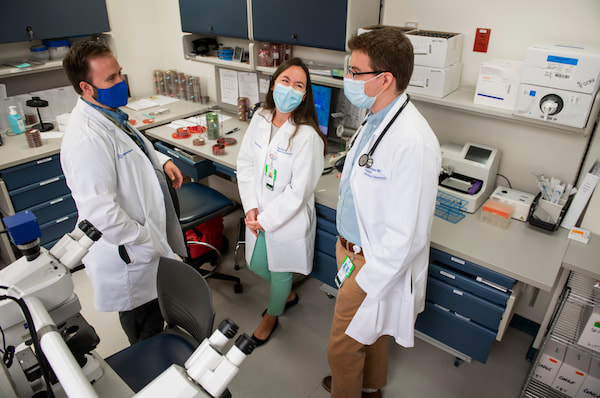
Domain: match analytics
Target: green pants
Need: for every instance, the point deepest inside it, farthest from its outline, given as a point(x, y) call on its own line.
point(280, 282)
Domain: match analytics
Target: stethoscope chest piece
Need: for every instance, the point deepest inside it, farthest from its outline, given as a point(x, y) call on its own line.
point(365, 161)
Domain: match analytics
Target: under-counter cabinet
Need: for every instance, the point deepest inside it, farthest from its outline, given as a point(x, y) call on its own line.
point(215, 17)
point(312, 23)
point(41, 19)
point(40, 186)
point(324, 263)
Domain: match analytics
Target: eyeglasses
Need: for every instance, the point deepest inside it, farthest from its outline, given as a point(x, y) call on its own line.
point(354, 74)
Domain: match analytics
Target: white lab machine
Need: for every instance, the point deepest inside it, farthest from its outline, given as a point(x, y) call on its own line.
point(469, 173)
point(559, 83)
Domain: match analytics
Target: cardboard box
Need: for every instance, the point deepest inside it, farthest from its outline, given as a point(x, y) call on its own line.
point(572, 67)
point(436, 49)
point(572, 372)
point(498, 83)
point(590, 387)
point(435, 82)
point(550, 362)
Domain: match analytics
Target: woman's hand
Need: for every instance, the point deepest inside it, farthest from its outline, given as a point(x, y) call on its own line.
point(252, 223)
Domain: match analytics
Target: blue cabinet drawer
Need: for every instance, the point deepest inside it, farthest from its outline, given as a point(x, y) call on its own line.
point(53, 209)
point(54, 230)
point(447, 327)
point(228, 171)
point(325, 241)
point(468, 284)
point(324, 268)
point(469, 268)
point(40, 192)
point(464, 303)
point(196, 170)
point(31, 172)
point(326, 213)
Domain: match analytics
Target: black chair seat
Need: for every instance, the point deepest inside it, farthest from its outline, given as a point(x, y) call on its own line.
point(199, 203)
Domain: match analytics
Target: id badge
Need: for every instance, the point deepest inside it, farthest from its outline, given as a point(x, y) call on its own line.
point(344, 272)
point(270, 176)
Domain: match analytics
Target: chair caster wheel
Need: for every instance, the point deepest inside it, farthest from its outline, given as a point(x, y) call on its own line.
point(238, 288)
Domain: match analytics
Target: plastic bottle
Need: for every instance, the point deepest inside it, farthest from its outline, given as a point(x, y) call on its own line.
point(16, 121)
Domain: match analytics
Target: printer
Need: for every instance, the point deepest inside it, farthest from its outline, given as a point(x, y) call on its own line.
point(469, 173)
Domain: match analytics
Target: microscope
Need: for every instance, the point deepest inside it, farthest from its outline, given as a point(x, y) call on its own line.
point(37, 294)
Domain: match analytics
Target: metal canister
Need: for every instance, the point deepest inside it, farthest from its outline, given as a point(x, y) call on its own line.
point(212, 126)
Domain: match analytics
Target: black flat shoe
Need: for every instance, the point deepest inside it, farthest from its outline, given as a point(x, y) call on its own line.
point(260, 342)
point(287, 305)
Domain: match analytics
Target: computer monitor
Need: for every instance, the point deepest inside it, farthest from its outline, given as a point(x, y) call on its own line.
point(322, 97)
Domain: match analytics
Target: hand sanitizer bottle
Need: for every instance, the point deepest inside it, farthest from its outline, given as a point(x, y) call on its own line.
point(16, 121)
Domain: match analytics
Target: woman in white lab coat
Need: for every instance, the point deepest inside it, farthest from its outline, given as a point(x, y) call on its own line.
point(278, 167)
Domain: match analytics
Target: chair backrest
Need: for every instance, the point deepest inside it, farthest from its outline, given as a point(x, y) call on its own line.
point(184, 298)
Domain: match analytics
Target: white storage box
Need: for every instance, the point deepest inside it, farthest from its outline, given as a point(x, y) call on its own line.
point(590, 337)
point(436, 49)
point(405, 29)
point(591, 384)
point(550, 361)
point(436, 82)
point(570, 67)
point(521, 201)
point(572, 372)
point(498, 83)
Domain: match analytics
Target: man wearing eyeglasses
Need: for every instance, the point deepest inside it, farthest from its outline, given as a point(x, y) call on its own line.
point(385, 210)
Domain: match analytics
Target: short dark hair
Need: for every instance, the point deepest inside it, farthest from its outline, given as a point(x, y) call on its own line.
point(388, 49)
point(76, 63)
point(306, 112)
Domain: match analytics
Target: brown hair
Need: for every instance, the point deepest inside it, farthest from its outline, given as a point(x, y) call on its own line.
point(76, 62)
point(388, 49)
point(306, 112)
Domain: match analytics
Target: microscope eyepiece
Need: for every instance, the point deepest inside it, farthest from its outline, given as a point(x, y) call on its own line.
point(228, 328)
point(245, 344)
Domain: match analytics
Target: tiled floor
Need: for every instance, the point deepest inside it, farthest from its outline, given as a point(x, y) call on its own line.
point(293, 362)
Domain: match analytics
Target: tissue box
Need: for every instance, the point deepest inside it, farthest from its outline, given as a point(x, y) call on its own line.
point(572, 372)
point(436, 49)
point(550, 361)
point(591, 384)
point(498, 83)
point(435, 82)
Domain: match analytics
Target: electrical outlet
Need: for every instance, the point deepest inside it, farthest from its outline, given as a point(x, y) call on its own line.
point(482, 38)
point(411, 24)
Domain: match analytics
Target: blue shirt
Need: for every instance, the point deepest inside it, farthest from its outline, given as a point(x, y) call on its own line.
point(346, 219)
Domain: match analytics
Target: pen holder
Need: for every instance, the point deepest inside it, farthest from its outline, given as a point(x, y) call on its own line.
point(547, 215)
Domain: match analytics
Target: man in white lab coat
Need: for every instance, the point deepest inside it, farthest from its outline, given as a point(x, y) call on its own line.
point(118, 183)
point(384, 216)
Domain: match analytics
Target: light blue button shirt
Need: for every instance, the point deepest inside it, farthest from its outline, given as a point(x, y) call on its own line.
point(346, 219)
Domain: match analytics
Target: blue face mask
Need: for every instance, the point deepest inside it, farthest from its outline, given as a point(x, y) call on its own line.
point(354, 90)
point(114, 96)
point(286, 98)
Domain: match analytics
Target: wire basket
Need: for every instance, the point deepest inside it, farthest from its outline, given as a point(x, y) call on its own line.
point(449, 207)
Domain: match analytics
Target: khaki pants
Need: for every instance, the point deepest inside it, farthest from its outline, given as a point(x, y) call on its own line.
point(353, 365)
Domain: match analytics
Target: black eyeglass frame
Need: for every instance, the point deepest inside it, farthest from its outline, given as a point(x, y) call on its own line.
point(375, 72)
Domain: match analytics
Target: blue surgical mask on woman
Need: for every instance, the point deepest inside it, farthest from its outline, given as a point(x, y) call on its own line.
point(114, 96)
point(286, 98)
point(354, 90)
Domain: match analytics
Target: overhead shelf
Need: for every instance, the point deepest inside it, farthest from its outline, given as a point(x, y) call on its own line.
point(9, 71)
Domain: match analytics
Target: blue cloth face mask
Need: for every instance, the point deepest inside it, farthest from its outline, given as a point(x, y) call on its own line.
point(286, 98)
point(114, 96)
point(354, 90)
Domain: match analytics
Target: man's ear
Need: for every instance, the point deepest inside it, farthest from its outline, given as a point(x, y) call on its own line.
point(86, 88)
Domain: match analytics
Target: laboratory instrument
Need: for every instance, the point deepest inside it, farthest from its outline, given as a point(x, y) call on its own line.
point(559, 83)
point(38, 296)
point(520, 201)
point(469, 172)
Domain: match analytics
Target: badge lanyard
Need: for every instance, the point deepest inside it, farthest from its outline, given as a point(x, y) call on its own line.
point(366, 159)
point(270, 171)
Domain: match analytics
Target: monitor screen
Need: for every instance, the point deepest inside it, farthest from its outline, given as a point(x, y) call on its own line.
point(322, 97)
point(477, 154)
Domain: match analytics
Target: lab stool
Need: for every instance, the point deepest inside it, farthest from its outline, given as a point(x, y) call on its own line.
point(199, 204)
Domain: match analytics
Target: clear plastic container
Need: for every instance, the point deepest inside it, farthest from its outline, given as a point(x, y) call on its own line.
point(57, 48)
point(496, 213)
point(39, 53)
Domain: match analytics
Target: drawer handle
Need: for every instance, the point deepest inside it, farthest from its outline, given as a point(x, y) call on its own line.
point(50, 181)
point(458, 260)
point(442, 308)
point(447, 275)
point(61, 220)
point(462, 317)
point(458, 292)
point(173, 153)
point(491, 284)
point(44, 160)
point(55, 201)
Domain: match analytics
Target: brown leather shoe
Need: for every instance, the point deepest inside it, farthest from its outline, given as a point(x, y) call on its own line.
point(326, 383)
point(374, 394)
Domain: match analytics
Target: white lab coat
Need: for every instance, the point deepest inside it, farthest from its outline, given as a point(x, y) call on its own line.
point(287, 213)
point(395, 203)
point(116, 188)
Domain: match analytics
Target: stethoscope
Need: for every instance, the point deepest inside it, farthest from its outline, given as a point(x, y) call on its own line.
point(366, 159)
